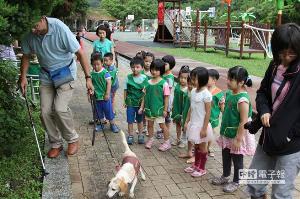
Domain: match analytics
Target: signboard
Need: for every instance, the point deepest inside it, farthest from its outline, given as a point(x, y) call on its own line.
point(212, 11)
point(188, 10)
point(130, 17)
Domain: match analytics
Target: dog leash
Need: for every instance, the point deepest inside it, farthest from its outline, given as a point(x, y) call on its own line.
point(93, 98)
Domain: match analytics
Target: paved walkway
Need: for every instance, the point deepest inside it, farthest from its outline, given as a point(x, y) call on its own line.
point(93, 167)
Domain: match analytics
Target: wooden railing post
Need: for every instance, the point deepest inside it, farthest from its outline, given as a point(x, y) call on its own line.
point(205, 35)
point(197, 30)
point(242, 40)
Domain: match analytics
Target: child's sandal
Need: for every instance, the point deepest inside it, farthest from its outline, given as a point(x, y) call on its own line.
point(191, 160)
point(184, 156)
point(141, 139)
point(130, 139)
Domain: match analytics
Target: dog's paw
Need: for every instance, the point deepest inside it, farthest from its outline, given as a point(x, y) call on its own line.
point(131, 195)
point(121, 194)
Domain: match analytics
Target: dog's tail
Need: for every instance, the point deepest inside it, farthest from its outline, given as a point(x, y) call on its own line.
point(124, 141)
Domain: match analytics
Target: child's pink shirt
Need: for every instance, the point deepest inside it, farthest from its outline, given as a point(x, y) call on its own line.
point(276, 84)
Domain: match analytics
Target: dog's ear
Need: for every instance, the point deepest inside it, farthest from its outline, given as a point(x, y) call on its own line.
point(123, 185)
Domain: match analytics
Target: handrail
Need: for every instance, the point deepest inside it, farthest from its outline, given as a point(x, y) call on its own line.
point(169, 22)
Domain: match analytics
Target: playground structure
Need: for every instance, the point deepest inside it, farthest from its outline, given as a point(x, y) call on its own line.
point(242, 38)
point(172, 23)
point(232, 36)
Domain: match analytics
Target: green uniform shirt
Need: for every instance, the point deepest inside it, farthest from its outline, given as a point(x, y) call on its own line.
point(99, 83)
point(231, 115)
point(186, 106)
point(169, 79)
point(215, 108)
point(154, 99)
point(135, 92)
point(178, 103)
point(147, 74)
point(113, 73)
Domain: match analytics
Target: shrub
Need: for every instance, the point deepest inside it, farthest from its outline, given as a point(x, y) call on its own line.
point(14, 120)
point(20, 167)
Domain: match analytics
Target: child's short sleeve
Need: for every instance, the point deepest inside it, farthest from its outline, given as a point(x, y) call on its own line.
point(207, 97)
point(166, 89)
point(170, 82)
point(107, 76)
point(243, 99)
point(125, 83)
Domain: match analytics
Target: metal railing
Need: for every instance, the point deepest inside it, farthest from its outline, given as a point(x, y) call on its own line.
point(169, 23)
point(33, 86)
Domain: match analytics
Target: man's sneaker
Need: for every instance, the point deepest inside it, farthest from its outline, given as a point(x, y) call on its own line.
point(165, 146)
point(114, 128)
point(141, 139)
point(149, 143)
point(198, 173)
point(130, 139)
point(231, 187)
point(159, 134)
point(220, 180)
point(190, 169)
point(99, 127)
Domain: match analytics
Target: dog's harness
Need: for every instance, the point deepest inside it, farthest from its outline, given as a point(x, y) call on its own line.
point(134, 161)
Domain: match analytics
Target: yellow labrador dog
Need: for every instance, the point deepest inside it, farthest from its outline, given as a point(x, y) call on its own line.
point(128, 173)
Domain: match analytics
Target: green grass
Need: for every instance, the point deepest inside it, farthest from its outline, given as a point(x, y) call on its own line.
point(256, 64)
point(20, 172)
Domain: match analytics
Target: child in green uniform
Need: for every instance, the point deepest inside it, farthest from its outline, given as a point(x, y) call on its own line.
point(113, 71)
point(156, 103)
point(148, 59)
point(178, 104)
point(186, 107)
point(169, 77)
point(102, 83)
point(133, 96)
point(234, 140)
point(217, 105)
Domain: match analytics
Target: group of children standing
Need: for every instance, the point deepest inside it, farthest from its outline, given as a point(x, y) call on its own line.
point(194, 104)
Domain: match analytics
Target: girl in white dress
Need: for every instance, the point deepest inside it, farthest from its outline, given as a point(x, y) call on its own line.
point(198, 128)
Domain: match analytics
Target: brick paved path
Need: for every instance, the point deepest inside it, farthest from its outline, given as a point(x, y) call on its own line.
point(94, 166)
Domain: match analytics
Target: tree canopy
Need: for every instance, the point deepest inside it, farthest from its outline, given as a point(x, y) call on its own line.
point(263, 10)
point(18, 16)
point(141, 9)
